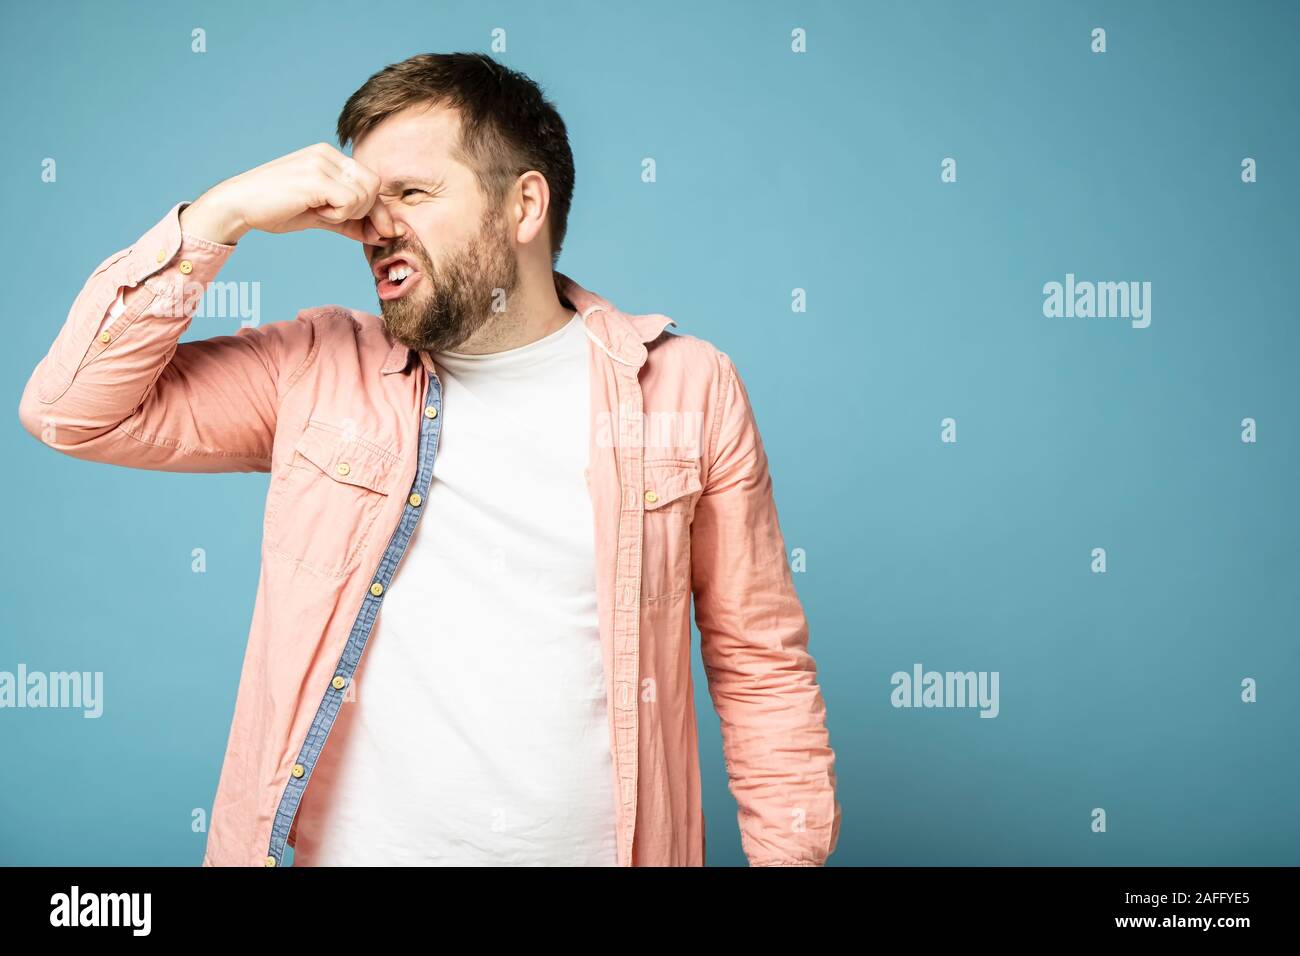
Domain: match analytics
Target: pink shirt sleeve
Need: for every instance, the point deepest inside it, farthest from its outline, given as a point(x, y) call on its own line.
point(118, 386)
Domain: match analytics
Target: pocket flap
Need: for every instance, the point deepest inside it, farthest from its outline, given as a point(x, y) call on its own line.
point(668, 481)
point(351, 461)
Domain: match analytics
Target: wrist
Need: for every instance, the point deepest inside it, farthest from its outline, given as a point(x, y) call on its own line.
point(207, 218)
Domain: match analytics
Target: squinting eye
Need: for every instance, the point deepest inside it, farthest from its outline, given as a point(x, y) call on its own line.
point(406, 191)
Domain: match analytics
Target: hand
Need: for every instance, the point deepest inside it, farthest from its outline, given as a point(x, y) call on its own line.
point(317, 187)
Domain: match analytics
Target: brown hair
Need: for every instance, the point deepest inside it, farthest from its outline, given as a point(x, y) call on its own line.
point(507, 126)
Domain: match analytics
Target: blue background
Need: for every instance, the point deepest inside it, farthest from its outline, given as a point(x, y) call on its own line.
point(775, 171)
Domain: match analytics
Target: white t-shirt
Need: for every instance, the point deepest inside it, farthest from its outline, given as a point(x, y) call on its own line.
point(479, 734)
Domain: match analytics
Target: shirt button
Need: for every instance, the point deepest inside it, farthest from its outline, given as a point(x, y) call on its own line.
point(299, 770)
point(415, 499)
point(270, 861)
point(343, 468)
point(430, 412)
point(186, 266)
point(339, 682)
point(376, 589)
point(162, 254)
point(651, 497)
point(105, 337)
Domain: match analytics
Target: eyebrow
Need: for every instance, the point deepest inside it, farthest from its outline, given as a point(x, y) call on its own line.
point(397, 185)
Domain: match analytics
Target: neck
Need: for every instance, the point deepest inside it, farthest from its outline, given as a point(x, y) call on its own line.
point(533, 311)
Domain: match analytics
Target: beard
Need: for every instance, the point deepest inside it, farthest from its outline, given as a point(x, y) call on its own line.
point(459, 293)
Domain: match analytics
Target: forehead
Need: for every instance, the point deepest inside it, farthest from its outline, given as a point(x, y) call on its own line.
point(420, 134)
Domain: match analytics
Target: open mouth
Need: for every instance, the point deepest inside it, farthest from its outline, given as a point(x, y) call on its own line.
point(397, 280)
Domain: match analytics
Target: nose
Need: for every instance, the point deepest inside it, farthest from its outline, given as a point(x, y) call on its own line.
point(372, 236)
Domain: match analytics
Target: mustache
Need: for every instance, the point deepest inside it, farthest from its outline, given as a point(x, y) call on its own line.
point(404, 249)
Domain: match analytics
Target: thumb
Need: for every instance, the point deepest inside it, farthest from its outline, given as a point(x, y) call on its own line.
point(376, 234)
point(380, 221)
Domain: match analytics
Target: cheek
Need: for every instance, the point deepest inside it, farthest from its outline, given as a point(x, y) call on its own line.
point(443, 225)
point(436, 240)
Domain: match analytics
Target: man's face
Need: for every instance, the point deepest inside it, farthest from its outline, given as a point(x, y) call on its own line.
point(460, 249)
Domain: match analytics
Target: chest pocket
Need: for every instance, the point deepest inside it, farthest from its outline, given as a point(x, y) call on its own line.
point(672, 487)
point(322, 507)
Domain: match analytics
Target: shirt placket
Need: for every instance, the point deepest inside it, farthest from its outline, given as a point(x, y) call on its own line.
point(627, 609)
point(332, 701)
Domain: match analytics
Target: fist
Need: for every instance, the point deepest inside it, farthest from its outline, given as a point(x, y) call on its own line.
point(316, 187)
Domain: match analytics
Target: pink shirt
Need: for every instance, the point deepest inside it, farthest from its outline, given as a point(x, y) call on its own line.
point(345, 420)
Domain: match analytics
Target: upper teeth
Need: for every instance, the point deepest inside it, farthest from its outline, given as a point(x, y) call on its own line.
point(399, 272)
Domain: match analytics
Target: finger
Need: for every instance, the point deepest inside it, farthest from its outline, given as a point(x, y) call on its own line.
point(331, 200)
point(346, 176)
point(348, 171)
point(360, 228)
point(354, 229)
point(381, 223)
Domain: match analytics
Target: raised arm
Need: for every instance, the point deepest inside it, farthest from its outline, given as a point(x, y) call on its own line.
point(118, 386)
point(131, 394)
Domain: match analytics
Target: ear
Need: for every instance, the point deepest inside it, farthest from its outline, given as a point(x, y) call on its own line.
point(532, 206)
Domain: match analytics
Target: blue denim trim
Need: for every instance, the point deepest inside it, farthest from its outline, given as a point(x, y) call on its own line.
point(347, 666)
